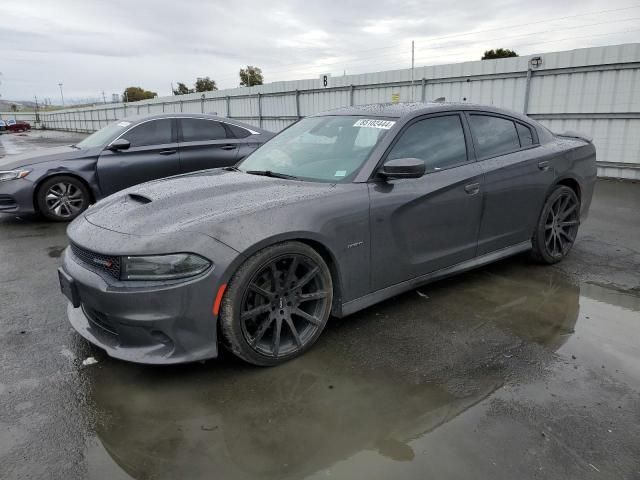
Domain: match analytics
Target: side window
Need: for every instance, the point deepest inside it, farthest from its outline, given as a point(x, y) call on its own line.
point(195, 130)
point(494, 135)
point(526, 137)
point(238, 132)
point(439, 141)
point(155, 132)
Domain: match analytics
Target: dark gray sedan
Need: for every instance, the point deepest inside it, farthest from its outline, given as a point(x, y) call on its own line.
point(338, 212)
point(60, 183)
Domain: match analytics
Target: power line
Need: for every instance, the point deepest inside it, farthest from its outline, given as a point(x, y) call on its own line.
point(287, 67)
point(530, 44)
point(480, 41)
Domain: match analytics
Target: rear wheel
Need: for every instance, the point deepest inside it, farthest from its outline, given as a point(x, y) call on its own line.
point(557, 226)
point(277, 304)
point(62, 198)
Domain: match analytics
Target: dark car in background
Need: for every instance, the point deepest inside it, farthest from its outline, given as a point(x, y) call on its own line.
point(61, 182)
point(18, 126)
point(338, 212)
point(3, 125)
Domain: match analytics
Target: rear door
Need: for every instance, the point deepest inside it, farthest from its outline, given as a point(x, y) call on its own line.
point(206, 144)
point(516, 179)
point(153, 154)
point(425, 224)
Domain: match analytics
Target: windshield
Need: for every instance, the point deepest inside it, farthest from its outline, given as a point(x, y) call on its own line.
point(328, 148)
point(102, 136)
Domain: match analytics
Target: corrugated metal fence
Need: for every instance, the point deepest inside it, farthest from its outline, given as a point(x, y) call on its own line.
point(592, 90)
point(26, 116)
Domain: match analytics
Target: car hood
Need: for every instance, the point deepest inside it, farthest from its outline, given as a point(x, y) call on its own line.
point(33, 157)
point(201, 202)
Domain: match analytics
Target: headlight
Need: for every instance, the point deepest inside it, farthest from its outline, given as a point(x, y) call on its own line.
point(163, 267)
point(13, 174)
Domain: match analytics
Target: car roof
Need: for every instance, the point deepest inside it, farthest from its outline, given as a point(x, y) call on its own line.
point(206, 116)
point(414, 109)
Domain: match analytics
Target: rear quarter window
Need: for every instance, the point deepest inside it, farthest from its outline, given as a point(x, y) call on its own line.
point(238, 132)
point(526, 137)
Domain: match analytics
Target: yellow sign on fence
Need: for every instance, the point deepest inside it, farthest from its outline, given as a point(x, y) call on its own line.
point(395, 97)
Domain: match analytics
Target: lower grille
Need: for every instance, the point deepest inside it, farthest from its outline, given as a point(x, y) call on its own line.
point(7, 202)
point(98, 262)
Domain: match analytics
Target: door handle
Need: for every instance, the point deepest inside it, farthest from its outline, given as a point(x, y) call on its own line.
point(544, 166)
point(168, 151)
point(472, 188)
point(228, 147)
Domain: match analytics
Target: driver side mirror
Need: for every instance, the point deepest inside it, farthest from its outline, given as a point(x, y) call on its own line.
point(119, 144)
point(403, 168)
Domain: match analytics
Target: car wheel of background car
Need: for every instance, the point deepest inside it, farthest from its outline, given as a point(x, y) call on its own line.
point(557, 227)
point(277, 304)
point(62, 198)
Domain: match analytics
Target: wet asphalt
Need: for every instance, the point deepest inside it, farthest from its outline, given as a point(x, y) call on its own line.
point(510, 371)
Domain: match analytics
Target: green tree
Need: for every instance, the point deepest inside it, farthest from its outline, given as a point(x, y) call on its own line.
point(14, 107)
point(134, 94)
point(250, 76)
point(182, 89)
point(498, 53)
point(205, 85)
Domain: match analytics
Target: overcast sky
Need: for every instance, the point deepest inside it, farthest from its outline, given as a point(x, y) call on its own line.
point(93, 46)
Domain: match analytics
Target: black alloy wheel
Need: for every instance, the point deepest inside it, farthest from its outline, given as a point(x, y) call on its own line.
point(277, 304)
point(558, 226)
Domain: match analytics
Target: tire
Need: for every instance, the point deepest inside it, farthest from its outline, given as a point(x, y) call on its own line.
point(557, 226)
point(62, 198)
point(280, 295)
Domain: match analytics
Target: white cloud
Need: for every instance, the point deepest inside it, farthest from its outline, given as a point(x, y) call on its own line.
point(93, 45)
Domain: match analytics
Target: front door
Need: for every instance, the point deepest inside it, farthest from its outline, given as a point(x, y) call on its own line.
point(153, 154)
point(422, 225)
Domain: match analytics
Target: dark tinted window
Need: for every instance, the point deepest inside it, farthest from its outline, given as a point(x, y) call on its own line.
point(494, 135)
point(239, 132)
point(524, 132)
point(155, 132)
point(438, 141)
point(194, 130)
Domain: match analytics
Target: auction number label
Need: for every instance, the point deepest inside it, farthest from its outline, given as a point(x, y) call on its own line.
point(373, 123)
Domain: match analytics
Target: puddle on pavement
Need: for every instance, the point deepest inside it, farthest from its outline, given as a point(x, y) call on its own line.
point(374, 383)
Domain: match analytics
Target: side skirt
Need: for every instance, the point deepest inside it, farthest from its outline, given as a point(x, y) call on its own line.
point(385, 293)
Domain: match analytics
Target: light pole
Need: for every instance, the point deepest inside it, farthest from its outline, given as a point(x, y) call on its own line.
point(61, 95)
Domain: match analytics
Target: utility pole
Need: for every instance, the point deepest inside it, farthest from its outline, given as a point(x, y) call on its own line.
point(173, 92)
point(413, 58)
point(61, 95)
point(104, 99)
point(37, 116)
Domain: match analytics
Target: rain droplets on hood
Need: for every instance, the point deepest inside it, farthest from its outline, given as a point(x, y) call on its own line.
point(186, 202)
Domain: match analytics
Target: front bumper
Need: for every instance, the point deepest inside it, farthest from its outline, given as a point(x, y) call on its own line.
point(143, 322)
point(16, 196)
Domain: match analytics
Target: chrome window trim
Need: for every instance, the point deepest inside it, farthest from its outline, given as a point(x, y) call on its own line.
point(253, 132)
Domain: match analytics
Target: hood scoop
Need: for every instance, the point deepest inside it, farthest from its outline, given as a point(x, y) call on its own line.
point(136, 197)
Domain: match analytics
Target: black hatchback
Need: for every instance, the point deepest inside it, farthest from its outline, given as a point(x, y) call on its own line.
point(61, 182)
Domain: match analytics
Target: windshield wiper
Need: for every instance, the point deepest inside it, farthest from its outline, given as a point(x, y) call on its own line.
point(269, 173)
point(75, 146)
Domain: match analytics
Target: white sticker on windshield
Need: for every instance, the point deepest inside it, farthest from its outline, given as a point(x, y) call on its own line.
point(124, 124)
point(340, 173)
point(372, 123)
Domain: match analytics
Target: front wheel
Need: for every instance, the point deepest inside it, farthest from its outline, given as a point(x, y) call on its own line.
point(62, 198)
point(277, 304)
point(557, 226)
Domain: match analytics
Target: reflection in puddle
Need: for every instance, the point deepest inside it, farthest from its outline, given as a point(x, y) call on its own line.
point(375, 382)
